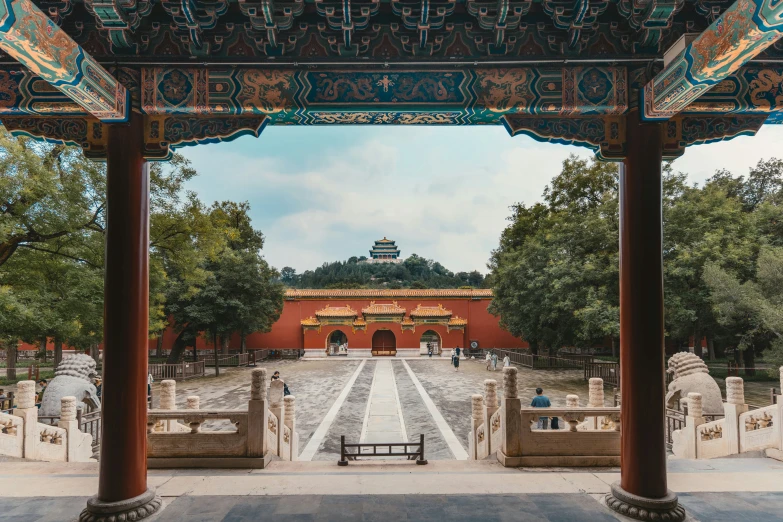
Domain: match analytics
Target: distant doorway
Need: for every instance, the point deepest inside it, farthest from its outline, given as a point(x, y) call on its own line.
point(337, 343)
point(384, 343)
point(430, 338)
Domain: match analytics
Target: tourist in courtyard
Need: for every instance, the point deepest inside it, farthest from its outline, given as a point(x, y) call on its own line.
point(541, 401)
point(276, 376)
point(455, 359)
point(150, 380)
point(429, 349)
point(489, 360)
point(494, 361)
point(506, 361)
point(457, 351)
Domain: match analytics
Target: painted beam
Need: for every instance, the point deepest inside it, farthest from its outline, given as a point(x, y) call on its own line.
point(35, 41)
point(743, 31)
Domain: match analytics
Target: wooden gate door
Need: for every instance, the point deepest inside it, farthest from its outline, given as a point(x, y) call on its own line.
point(384, 343)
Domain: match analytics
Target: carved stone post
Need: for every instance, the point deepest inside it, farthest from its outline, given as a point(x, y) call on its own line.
point(780, 407)
point(257, 414)
point(694, 419)
point(476, 441)
point(491, 405)
point(289, 403)
point(596, 393)
point(642, 492)
point(572, 401)
point(26, 409)
point(510, 420)
point(168, 401)
point(193, 402)
point(595, 398)
point(78, 445)
point(277, 408)
point(732, 409)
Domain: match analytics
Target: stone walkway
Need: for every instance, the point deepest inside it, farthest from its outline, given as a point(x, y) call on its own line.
point(383, 420)
point(719, 490)
point(334, 399)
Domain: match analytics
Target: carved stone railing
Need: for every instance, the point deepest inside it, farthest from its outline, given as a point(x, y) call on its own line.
point(195, 438)
point(587, 436)
point(22, 436)
point(741, 430)
point(576, 445)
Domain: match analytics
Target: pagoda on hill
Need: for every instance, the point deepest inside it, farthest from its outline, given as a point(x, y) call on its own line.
point(384, 251)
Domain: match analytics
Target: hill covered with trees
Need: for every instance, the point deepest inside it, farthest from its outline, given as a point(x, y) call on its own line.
point(413, 272)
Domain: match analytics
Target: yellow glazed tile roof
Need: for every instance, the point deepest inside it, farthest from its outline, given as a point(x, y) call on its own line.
point(310, 321)
point(336, 311)
point(360, 322)
point(407, 321)
point(383, 309)
point(342, 293)
point(430, 311)
point(458, 321)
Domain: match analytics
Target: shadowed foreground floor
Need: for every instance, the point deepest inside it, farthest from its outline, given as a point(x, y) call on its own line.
point(713, 507)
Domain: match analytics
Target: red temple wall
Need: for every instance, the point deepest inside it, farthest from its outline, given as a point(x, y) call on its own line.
point(287, 333)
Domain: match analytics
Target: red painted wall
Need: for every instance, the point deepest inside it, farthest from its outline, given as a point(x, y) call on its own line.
point(287, 332)
point(482, 326)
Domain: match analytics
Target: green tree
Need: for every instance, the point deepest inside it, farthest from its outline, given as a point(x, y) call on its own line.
point(555, 273)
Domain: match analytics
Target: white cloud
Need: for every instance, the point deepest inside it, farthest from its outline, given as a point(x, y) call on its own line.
point(443, 193)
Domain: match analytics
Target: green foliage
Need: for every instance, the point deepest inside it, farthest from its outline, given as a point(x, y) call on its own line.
point(555, 272)
point(52, 219)
point(413, 272)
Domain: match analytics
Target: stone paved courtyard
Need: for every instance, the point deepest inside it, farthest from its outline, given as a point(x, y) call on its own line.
point(442, 395)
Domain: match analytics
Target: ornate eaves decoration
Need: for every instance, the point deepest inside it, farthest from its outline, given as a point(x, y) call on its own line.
point(650, 18)
point(120, 19)
point(270, 17)
point(343, 20)
point(578, 17)
point(423, 26)
point(502, 17)
point(192, 18)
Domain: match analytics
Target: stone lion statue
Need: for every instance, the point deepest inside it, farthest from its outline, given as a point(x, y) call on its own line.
point(691, 375)
point(73, 377)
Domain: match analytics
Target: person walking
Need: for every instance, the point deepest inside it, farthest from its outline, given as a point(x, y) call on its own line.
point(429, 350)
point(506, 361)
point(455, 359)
point(457, 350)
point(489, 360)
point(494, 361)
point(541, 401)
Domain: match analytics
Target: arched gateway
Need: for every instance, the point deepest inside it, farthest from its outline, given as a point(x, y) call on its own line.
point(384, 343)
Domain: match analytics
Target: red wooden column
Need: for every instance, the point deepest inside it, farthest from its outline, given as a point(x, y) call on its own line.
point(642, 489)
point(122, 486)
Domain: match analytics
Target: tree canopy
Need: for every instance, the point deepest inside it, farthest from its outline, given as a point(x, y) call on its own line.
point(555, 272)
point(52, 225)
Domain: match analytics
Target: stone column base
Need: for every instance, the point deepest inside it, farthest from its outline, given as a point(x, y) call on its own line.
point(137, 508)
point(647, 509)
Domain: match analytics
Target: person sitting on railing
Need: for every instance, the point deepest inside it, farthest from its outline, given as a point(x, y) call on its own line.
point(541, 401)
point(276, 376)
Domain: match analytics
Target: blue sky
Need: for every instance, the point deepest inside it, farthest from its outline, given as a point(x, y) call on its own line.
point(326, 193)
